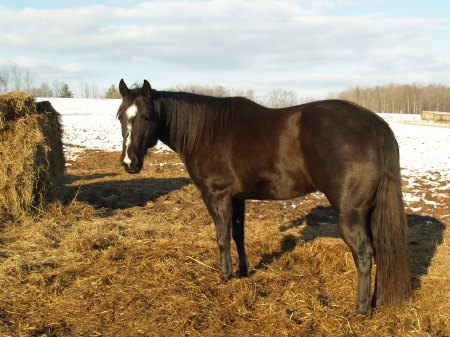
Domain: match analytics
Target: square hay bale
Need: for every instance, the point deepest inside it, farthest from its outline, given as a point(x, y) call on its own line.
point(31, 153)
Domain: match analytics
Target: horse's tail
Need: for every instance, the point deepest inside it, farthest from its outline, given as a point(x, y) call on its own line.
point(389, 226)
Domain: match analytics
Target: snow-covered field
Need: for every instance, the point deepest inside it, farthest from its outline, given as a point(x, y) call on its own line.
point(424, 148)
point(88, 124)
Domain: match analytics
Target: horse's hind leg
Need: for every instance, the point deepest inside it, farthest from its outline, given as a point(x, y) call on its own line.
point(237, 230)
point(353, 227)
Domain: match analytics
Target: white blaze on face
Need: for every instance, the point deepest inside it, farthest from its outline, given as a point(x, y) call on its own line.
point(130, 113)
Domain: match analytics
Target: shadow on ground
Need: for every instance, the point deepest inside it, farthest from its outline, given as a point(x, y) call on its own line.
point(424, 236)
point(120, 194)
point(70, 178)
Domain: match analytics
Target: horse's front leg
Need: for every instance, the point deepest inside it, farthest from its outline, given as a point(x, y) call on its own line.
point(220, 208)
point(237, 232)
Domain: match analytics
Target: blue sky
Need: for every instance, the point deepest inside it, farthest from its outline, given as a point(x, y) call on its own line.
point(313, 47)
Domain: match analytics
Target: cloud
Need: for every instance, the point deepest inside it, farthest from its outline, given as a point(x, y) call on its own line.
point(218, 33)
point(46, 70)
point(402, 58)
point(240, 36)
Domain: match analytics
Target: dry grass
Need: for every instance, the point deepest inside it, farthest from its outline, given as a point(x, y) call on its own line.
point(13, 106)
point(136, 256)
point(31, 154)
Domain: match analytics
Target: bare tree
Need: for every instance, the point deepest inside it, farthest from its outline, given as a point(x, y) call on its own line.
point(85, 89)
point(215, 90)
point(250, 94)
point(57, 86)
point(281, 98)
point(46, 90)
point(95, 93)
point(89, 90)
point(4, 81)
point(15, 80)
point(43, 91)
point(16, 77)
point(28, 79)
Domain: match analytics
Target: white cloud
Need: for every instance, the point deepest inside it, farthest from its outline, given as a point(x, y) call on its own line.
point(263, 39)
point(216, 33)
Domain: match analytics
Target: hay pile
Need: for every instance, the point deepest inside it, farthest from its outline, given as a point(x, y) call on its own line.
point(31, 155)
point(149, 267)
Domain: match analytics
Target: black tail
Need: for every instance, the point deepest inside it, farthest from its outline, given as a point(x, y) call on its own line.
point(388, 225)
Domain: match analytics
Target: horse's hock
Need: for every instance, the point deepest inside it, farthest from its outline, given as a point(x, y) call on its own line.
point(31, 155)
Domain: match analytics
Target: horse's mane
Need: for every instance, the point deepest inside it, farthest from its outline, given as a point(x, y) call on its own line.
point(192, 118)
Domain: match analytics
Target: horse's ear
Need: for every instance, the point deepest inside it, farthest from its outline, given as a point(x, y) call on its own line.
point(123, 89)
point(147, 89)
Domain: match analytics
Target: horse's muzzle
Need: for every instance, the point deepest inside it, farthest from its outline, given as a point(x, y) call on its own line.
point(132, 167)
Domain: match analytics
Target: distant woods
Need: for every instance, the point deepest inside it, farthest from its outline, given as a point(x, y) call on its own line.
point(407, 99)
point(14, 79)
point(275, 99)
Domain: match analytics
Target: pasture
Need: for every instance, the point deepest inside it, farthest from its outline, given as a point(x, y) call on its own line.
point(127, 255)
point(137, 256)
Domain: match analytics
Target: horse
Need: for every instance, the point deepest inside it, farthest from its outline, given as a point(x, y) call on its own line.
point(235, 149)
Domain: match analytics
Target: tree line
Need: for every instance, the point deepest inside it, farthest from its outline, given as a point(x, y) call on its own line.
point(278, 98)
point(15, 79)
point(393, 98)
point(406, 99)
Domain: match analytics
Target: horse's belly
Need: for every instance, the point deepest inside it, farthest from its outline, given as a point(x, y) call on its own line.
point(267, 185)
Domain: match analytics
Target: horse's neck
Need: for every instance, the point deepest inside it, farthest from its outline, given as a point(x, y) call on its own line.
point(187, 120)
point(164, 133)
point(169, 133)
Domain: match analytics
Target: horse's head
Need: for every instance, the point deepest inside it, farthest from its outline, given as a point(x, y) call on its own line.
point(139, 125)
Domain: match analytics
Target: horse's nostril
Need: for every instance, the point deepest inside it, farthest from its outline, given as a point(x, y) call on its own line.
point(131, 167)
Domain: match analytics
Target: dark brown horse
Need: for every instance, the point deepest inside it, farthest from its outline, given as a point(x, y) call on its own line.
point(235, 149)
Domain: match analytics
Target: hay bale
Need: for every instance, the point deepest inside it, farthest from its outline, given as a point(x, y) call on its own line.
point(31, 153)
point(15, 105)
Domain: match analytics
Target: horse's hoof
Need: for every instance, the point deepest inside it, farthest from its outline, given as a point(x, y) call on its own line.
point(225, 279)
point(363, 311)
point(242, 273)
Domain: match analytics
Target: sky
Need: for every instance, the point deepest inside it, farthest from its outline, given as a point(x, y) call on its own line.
point(313, 47)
